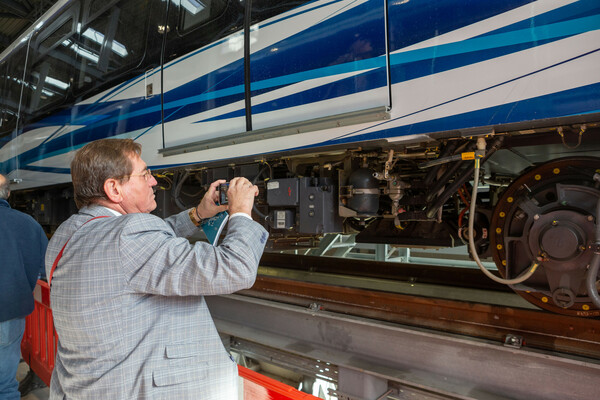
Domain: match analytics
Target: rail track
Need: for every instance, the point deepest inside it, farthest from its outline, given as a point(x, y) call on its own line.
point(513, 326)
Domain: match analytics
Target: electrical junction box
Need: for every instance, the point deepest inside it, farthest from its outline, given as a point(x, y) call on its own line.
point(317, 199)
point(282, 219)
point(311, 198)
point(282, 192)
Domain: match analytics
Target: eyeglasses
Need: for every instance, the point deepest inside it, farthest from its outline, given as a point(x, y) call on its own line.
point(146, 174)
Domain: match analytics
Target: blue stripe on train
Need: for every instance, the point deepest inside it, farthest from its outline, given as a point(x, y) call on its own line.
point(573, 11)
point(141, 114)
point(582, 100)
point(549, 106)
point(300, 55)
point(228, 90)
point(415, 21)
point(362, 82)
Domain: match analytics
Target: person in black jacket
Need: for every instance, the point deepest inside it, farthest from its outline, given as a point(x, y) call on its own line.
point(23, 246)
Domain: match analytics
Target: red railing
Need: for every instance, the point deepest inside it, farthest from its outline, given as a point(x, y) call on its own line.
point(260, 387)
point(39, 348)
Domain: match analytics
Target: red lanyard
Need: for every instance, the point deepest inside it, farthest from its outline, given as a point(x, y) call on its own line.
point(59, 256)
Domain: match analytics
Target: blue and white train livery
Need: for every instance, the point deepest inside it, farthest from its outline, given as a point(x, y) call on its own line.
point(373, 116)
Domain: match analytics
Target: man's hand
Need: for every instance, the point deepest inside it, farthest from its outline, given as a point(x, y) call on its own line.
point(208, 206)
point(241, 195)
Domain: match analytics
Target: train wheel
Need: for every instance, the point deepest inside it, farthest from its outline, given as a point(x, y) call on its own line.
point(547, 215)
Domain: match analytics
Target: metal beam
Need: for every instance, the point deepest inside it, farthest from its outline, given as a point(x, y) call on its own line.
point(448, 365)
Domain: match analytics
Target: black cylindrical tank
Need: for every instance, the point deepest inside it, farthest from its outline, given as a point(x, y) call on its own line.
point(365, 193)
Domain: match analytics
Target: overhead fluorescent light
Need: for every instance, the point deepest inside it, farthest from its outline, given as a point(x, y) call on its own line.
point(56, 82)
point(81, 51)
point(99, 38)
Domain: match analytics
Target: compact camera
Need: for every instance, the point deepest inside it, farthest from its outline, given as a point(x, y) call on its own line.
point(223, 187)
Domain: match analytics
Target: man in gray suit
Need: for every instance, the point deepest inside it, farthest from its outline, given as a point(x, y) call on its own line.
point(127, 287)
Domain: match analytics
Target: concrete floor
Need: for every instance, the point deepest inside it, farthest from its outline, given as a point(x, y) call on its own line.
point(37, 394)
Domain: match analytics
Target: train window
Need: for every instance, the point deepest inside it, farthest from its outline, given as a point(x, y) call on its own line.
point(94, 8)
point(7, 112)
point(112, 40)
point(50, 76)
point(53, 59)
point(56, 37)
point(218, 19)
point(4, 111)
point(197, 12)
point(11, 76)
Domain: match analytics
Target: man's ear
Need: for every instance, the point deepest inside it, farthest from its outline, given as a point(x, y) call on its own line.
point(113, 190)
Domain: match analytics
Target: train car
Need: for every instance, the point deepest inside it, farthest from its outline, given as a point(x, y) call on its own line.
point(407, 122)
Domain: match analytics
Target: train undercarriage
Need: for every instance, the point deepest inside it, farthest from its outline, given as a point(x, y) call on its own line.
point(534, 210)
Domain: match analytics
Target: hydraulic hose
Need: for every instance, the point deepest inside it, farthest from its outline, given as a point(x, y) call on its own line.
point(177, 190)
point(434, 171)
point(595, 264)
point(521, 278)
point(450, 171)
point(441, 161)
point(458, 182)
point(254, 208)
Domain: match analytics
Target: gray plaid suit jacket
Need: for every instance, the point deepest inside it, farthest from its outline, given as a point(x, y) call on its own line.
point(128, 306)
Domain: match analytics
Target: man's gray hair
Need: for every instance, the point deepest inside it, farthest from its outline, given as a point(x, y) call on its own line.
point(4, 187)
point(98, 161)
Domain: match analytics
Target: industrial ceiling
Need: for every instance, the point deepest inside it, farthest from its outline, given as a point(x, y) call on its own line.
point(17, 15)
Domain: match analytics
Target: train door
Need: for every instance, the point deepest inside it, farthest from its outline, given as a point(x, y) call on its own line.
point(316, 65)
point(118, 74)
point(204, 71)
point(235, 69)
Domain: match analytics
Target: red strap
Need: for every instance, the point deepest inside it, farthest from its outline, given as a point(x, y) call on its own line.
point(60, 253)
